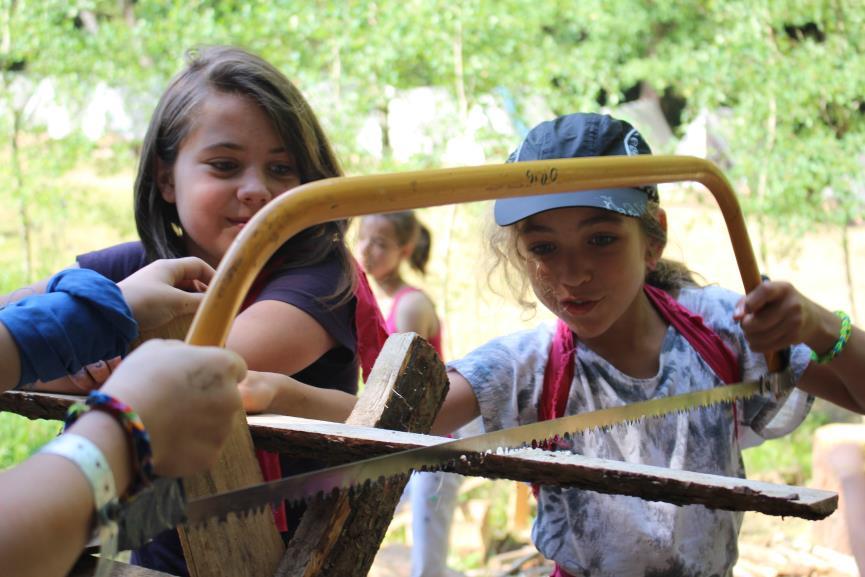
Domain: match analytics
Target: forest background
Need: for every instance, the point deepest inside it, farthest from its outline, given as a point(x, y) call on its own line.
point(772, 91)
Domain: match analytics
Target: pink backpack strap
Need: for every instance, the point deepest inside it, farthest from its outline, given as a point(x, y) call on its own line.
point(369, 324)
point(705, 341)
point(390, 321)
point(559, 371)
point(558, 374)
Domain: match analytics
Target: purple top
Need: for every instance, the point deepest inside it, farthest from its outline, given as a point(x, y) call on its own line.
point(336, 369)
point(301, 287)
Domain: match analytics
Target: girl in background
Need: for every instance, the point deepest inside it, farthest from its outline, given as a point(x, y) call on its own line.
point(385, 242)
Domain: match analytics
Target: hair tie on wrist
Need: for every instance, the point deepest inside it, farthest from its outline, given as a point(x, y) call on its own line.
point(843, 337)
point(136, 435)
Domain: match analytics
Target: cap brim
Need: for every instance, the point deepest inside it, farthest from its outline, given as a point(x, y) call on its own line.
point(627, 201)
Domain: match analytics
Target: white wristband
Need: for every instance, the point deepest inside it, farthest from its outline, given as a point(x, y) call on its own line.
point(92, 463)
point(96, 469)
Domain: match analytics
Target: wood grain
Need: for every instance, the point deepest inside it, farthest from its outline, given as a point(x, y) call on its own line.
point(341, 534)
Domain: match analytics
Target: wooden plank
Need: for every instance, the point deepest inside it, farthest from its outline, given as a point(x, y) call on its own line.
point(340, 443)
point(344, 443)
point(340, 535)
point(243, 546)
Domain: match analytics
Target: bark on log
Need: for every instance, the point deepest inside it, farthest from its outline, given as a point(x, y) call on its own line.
point(341, 534)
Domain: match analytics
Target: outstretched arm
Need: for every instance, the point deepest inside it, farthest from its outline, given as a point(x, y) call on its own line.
point(186, 397)
point(158, 294)
point(277, 393)
point(775, 315)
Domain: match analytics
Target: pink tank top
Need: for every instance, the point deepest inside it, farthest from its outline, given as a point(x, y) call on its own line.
point(435, 340)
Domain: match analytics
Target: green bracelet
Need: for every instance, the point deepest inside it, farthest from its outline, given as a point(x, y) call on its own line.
point(843, 337)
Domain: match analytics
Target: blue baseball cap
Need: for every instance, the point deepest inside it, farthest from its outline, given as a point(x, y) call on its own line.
point(572, 136)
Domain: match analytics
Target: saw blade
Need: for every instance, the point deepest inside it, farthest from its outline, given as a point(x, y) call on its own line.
point(324, 481)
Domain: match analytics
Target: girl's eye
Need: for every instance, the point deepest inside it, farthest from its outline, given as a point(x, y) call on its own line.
point(283, 170)
point(223, 165)
point(602, 239)
point(542, 248)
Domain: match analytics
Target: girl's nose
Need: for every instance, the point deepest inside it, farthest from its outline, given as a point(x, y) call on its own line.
point(576, 271)
point(253, 190)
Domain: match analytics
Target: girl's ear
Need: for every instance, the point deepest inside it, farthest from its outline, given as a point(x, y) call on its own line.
point(406, 250)
point(656, 249)
point(165, 182)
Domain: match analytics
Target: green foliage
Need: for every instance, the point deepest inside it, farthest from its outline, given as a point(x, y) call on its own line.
point(22, 437)
point(788, 459)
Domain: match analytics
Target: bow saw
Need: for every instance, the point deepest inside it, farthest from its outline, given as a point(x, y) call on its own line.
point(216, 494)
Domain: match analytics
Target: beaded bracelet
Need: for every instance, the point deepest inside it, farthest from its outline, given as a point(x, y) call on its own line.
point(843, 337)
point(139, 440)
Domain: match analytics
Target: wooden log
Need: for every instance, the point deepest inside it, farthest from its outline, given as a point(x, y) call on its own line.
point(243, 546)
point(344, 443)
point(340, 443)
point(340, 535)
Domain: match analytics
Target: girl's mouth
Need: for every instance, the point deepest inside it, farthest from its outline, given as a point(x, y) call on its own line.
point(238, 222)
point(576, 307)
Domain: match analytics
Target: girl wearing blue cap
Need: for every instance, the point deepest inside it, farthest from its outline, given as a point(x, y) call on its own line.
point(633, 327)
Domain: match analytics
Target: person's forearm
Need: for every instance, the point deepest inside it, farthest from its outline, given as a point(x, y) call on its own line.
point(839, 380)
point(24, 292)
point(48, 507)
point(849, 365)
point(302, 400)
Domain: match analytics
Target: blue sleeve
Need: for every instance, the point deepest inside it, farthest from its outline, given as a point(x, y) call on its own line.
point(82, 318)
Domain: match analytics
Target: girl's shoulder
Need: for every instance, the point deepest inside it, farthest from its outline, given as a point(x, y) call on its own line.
point(714, 304)
point(526, 348)
point(319, 280)
point(414, 299)
point(313, 289)
point(115, 262)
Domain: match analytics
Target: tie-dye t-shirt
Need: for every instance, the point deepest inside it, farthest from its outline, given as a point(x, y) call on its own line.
point(589, 533)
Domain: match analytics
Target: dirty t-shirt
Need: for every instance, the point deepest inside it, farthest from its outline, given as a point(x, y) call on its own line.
point(589, 533)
